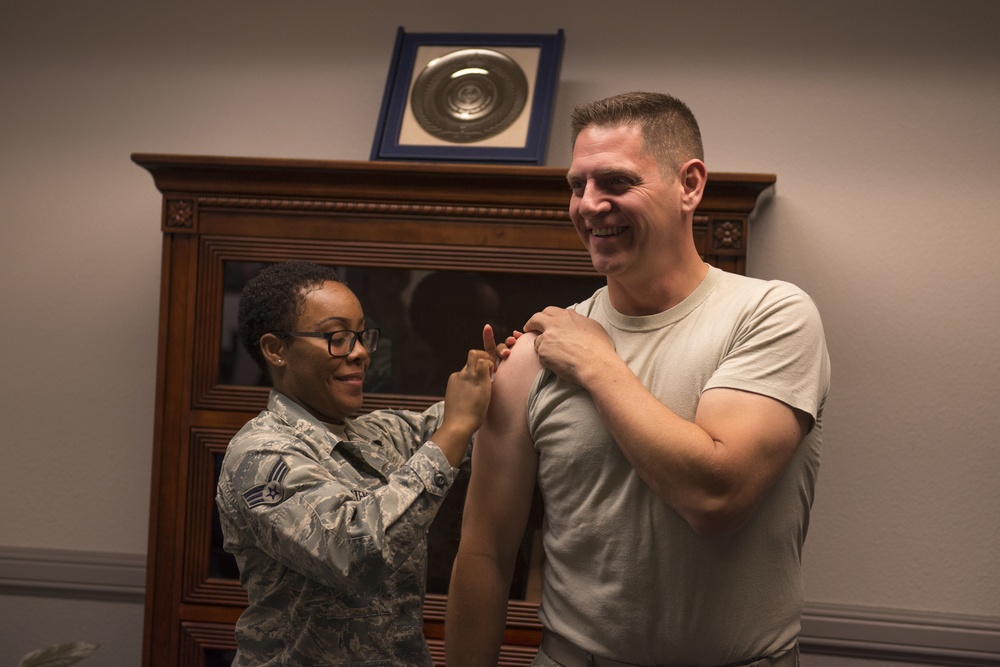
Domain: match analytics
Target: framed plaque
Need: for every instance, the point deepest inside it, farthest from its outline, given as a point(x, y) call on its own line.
point(469, 98)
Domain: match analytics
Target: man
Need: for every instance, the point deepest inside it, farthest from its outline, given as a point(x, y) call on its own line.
point(673, 424)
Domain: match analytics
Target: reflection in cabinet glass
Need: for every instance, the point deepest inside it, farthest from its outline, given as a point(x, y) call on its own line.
point(219, 658)
point(429, 319)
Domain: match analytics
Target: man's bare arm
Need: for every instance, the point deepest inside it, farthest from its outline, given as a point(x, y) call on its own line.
point(504, 464)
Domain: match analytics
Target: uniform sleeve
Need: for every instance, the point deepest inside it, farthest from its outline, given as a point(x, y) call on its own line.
point(321, 518)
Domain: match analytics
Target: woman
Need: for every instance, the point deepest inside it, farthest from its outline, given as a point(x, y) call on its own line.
point(327, 514)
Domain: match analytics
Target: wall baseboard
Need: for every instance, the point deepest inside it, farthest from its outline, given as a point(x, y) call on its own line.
point(73, 574)
point(923, 637)
point(928, 637)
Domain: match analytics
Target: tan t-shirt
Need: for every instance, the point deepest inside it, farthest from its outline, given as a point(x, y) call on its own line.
point(625, 576)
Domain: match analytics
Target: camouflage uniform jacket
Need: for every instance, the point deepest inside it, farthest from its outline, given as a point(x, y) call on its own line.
point(330, 534)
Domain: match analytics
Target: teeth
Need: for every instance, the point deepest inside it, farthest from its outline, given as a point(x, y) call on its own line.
point(607, 231)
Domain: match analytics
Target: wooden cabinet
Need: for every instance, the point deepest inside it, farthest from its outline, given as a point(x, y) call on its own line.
point(400, 233)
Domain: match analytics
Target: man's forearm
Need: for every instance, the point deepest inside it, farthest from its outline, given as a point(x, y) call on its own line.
point(477, 611)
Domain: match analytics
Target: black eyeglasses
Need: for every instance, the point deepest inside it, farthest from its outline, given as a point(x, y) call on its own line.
point(339, 343)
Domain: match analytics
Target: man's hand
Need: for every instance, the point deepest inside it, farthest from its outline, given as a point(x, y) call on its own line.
point(569, 343)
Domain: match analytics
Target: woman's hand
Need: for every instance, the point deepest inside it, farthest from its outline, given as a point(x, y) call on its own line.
point(465, 401)
point(498, 351)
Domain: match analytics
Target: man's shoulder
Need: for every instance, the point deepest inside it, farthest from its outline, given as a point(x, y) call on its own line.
point(522, 352)
point(518, 371)
point(586, 307)
point(760, 291)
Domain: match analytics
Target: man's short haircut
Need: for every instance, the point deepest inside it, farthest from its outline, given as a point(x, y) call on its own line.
point(670, 133)
point(273, 300)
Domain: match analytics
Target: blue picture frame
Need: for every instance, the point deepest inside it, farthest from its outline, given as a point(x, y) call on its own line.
point(524, 144)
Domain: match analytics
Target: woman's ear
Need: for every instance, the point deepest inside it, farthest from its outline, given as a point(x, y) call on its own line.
point(693, 177)
point(273, 349)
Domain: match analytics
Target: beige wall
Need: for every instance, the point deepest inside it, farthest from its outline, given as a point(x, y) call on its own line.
point(879, 118)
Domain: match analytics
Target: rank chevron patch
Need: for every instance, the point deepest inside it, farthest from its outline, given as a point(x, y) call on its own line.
point(271, 492)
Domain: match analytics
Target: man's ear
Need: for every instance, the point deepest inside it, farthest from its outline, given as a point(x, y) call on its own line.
point(273, 349)
point(693, 175)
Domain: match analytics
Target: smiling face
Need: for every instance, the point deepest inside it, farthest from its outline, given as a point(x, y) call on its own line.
point(633, 216)
point(302, 368)
point(624, 209)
